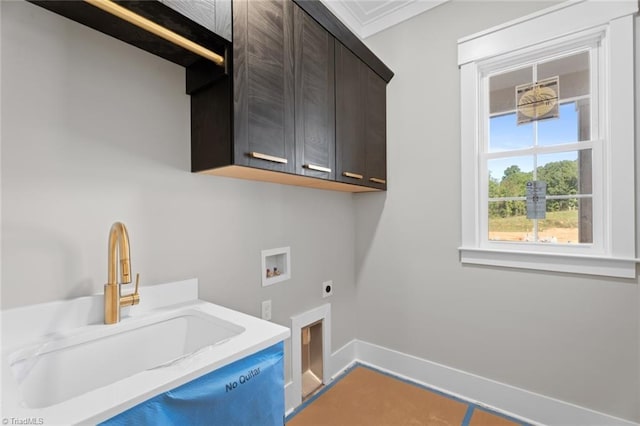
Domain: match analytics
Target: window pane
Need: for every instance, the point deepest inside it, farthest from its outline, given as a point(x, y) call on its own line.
point(571, 126)
point(573, 72)
point(502, 89)
point(568, 219)
point(559, 226)
point(566, 173)
point(570, 225)
point(508, 176)
point(508, 221)
point(506, 135)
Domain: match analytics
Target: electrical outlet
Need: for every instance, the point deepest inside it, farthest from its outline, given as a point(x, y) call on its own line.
point(327, 288)
point(266, 310)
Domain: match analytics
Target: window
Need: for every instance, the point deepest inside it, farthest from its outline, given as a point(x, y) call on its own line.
point(547, 141)
point(520, 147)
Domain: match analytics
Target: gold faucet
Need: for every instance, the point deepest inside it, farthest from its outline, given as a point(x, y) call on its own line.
point(118, 247)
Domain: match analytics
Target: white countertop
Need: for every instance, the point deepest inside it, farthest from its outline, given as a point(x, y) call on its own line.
point(50, 321)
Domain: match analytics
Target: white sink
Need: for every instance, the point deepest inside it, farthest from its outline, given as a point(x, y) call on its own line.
point(61, 364)
point(59, 369)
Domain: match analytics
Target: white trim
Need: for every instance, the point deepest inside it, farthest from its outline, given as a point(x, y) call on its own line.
point(400, 14)
point(469, 129)
point(289, 403)
point(298, 322)
point(515, 402)
point(346, 16)
point(516, 21)
point(547, 24)
point(575, 264)
point(376, 22)
point(621, 92)
point(342, 359)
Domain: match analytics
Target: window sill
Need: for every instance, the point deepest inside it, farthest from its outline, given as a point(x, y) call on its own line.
point(554, 262)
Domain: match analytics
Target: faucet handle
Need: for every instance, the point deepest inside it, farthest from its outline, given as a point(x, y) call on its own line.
point(133, 298)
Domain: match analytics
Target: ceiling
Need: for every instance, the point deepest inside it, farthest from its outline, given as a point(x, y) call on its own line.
point(367, 17)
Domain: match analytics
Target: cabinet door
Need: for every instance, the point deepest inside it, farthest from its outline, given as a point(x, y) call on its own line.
point(263, 84)
point(350, 117)
point(314, 97)
point(376, 131)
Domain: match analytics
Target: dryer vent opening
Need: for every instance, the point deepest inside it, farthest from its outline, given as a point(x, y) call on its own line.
point(311, 352)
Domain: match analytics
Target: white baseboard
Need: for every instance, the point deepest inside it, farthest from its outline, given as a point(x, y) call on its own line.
point(516, 402)
point(289, 404)
point(500, 397)
point(343, 358)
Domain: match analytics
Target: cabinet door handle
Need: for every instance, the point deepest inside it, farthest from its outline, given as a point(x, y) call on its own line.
point(352, 175)
point(377, 180)
point(317, 168)
point(272, 158)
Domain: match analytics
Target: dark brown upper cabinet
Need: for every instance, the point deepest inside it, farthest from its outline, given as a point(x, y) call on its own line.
point(360, 122)
point(350, 117)
point(375, 122)
point(299, 107)
point(263, 85)
point(299, 99)
point(314, 97)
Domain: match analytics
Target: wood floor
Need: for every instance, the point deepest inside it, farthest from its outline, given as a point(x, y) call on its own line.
point(365, 397)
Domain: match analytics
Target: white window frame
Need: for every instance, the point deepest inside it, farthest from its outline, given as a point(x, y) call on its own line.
point(554, 30)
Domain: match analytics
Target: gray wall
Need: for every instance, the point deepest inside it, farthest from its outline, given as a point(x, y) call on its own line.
point(571, 337)
point(95, 131)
